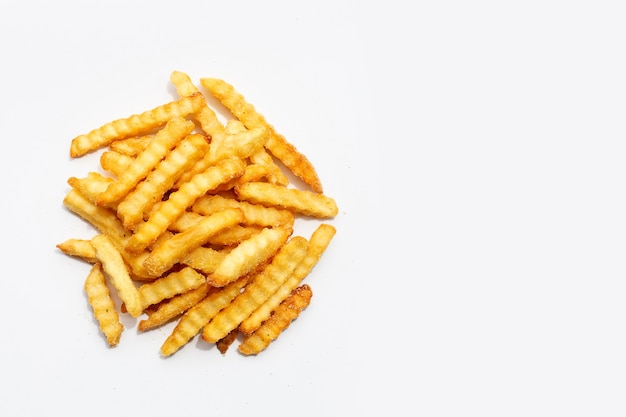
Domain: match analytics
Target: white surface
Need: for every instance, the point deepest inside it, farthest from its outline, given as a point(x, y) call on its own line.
point(476, 152)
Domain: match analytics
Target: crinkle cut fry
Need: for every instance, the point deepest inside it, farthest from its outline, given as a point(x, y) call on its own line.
point(234, 101)
point(280, 319)
point(103, 306)
point(135, 125)
point(173, 307)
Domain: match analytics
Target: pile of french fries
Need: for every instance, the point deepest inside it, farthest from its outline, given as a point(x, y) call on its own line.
point(194, 221)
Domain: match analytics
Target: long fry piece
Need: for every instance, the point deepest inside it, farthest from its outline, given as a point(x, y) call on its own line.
point(102, 304)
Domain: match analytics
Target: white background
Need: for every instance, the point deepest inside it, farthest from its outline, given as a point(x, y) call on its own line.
point(477, 154)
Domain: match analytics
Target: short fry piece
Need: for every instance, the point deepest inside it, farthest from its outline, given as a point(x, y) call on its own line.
point(249, 254)
point(115, 268)
point(172, 308)
point(282, 317)
point(300, 201)
point(80, 248)
point(260, 289)
point(103, 306)
point(134, 125)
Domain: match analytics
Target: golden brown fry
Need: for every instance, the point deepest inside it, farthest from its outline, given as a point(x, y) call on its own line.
point(115, 162)
point(135, 125)
point(131, 146)
point(205, 115)
point(91, 186)
point(173, 307)
point(257, 291)
point(255, 214)
point(204, 259)
point(115, 268)
point(138, 202)
point(299, 201)
point(276, 175)
point(167, 212)
point(79, 248)
point(167, 138)
point(174, 249)
point(103, 306)
point(248, 255)
point(319, 241)
point(170, 285)
point(282, 317)
point(199, 315)
point(276, 143)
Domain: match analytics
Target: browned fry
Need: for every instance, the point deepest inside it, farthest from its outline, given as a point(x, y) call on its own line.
point(276, 143)
point(135, 125)
point(299, 201)
point(260, 289)
point(319, 241)
point(281, 318)
point(166, 139)
point(174, 249)
point(103, 306)
point(224, 343)
point(169, 309)
point(167, 212)
point(248, 255)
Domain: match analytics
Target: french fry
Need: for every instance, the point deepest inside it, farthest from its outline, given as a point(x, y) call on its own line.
point(91, 186)
point(114, 266)
point(276, 143)
point(137, 203)
point(299, 201)
point(199, 315)
point(248, 255)
point(257, 291)
point(174, 249)
point(116, 163)
point(103, 306)
point(131, 146)
point(255, 214)
point(167, 212)
point(224, 343)
point(79, 248)
point(282, 317)
point(319, 241)
point(173, 307)
point(168, 137)
point(204, 259)
point(170, 285)
point(135, 125)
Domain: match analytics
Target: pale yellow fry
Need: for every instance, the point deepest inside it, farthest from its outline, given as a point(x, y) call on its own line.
point(204, 259)
point(135, 125)
point(91, 186)
point(115, 162)
point(205, 115)
point(106, 222)
point(79, 248)
point(169, 309)
point(282, 317)
point(262, 286)
point(170, 285)
point(103, 305)
point(174, 249)
point(131, 146)
point(303, 202)
point(199, 315)
point(138, 202)
point(168, 137)
point(248, 255)
point(255, 214)
point(115, 268)
point(276, 143)
point(168, 211)
point(319, 241)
